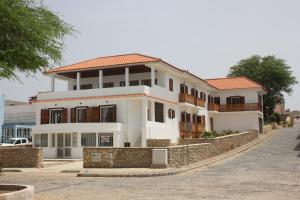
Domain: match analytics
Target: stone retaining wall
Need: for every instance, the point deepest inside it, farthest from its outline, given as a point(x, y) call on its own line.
point(158, 142)
point(177, 155)
point(20, 157)
point(207, 148)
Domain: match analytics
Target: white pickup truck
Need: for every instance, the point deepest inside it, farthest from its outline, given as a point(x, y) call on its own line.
point(16, 142)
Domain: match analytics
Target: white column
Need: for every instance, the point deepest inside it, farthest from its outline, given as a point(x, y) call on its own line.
point(144, 122)
point(78, 81)
point(100, 79)
point(152, 76)
point(52, 83)
point(126, 76)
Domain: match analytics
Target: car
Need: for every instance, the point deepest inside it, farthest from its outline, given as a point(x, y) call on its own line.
point(16, 142)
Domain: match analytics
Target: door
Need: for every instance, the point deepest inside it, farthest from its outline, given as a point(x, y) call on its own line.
point(64, 145)
point(212, 124)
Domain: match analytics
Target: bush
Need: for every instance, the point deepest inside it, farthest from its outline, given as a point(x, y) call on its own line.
point(275, 117)
point(211, 134)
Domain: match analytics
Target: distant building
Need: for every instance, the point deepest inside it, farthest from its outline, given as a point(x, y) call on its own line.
point(18, 119)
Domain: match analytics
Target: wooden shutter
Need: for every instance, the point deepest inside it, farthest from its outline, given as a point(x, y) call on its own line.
point(44, 116)
point(170, 113)
point(65, 116)
point(115, 113)
point(181, 88)
point(93, 114)
point(73, 115)
point(171, 84)
point(173, 114)
point(203, 119)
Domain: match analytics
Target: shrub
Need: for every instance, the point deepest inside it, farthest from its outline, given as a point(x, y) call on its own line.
point(275, 117)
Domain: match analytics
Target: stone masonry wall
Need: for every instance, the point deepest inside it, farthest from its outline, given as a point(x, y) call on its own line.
point(177, 155)
point(117, 157)
point(158, 142)
point(183, 155)
point(21, 157)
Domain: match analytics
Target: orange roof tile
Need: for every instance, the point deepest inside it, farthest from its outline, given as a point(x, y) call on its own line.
point(108, 61)
point(233, 83)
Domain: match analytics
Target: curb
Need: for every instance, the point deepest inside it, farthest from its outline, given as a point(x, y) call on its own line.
point(11, 170)
point(199, 164)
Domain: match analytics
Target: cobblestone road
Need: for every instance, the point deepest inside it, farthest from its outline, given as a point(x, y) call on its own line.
point(269, 171)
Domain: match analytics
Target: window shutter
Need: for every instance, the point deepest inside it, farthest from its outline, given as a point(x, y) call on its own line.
point(44, 116)
point(170, 113)
point(65, 115)
point(73, 115)
point(181, 88)
point(115, 113)
point(173, 114)
point(203, 119)
point(171, 84)
point(93, 114)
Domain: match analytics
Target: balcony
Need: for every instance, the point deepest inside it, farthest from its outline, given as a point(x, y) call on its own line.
point(19, 117)
point(186, 98)
point(240, 107)
point(213, 107)
point(191, 129)
point(199, 102)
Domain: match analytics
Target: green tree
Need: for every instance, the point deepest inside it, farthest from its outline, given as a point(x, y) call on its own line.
point(271, 72)
point(31, 37)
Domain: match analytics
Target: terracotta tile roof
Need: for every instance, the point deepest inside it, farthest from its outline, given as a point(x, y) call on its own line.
point(108, 61)
point(233, 83)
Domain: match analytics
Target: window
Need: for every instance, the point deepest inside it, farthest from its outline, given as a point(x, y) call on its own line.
point(122, 84)
point(183, 89)
point(185, 117)
point(171, 84)
point(159, 112)
point(133, 83)
point(217, 100)
point(235, 100)
point(81, 114)
point(108, 113)
point(18, 142)
point(41, 140)
point(83, 87)
point(24, 141)
point(88, 139)
point(146, 82)
point(105, 139)
point(56, 116)
point(171, 113)
point(108, 85)
point(194, 92)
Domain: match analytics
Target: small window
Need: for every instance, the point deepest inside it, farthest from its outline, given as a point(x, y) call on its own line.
point(18, 142)
point(24, 141)
point(108, 85)
point(83, 87)
point(217, 100)
point(171, 113)
point(122, 84)
point(156, 81)
point(108, 113)
point(183, 89)
point(133, 83)
point(105, 139)
point(146, 82)
point(171, 84)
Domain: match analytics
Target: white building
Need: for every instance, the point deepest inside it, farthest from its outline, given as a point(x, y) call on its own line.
point(126, 99)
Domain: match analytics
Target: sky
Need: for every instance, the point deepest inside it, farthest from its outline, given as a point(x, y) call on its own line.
point(206, 37)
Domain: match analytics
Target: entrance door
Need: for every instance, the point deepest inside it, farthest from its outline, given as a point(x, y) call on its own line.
point(212, 124)
point(64, 145)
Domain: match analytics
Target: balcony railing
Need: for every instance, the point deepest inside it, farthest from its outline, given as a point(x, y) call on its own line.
point(213, 107)
point(199, 102)
point(186, 98)
point(191, 129)
point(240, 107)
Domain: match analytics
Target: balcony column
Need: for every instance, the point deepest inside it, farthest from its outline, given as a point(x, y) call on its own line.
point(78, 81)
point(144, 122)
point(52, 83)
point(152, 111)
point(126, 76)
point(100, 78)
point(152, 76)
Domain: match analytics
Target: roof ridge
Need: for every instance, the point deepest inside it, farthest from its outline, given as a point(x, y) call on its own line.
point(224, 78)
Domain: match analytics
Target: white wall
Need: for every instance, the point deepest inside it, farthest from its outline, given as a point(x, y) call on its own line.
point(236, 121)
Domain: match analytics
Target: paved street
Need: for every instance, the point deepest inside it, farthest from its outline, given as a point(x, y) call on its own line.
point(269, 171)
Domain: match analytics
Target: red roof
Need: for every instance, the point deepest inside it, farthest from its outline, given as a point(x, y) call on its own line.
point(233, 83)
point(108, 61)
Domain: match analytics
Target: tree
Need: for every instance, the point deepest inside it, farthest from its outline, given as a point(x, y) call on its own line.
point(271, 72)
point(31, 37)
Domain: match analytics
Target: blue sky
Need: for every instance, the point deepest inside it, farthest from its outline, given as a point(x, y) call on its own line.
point(205, 37)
